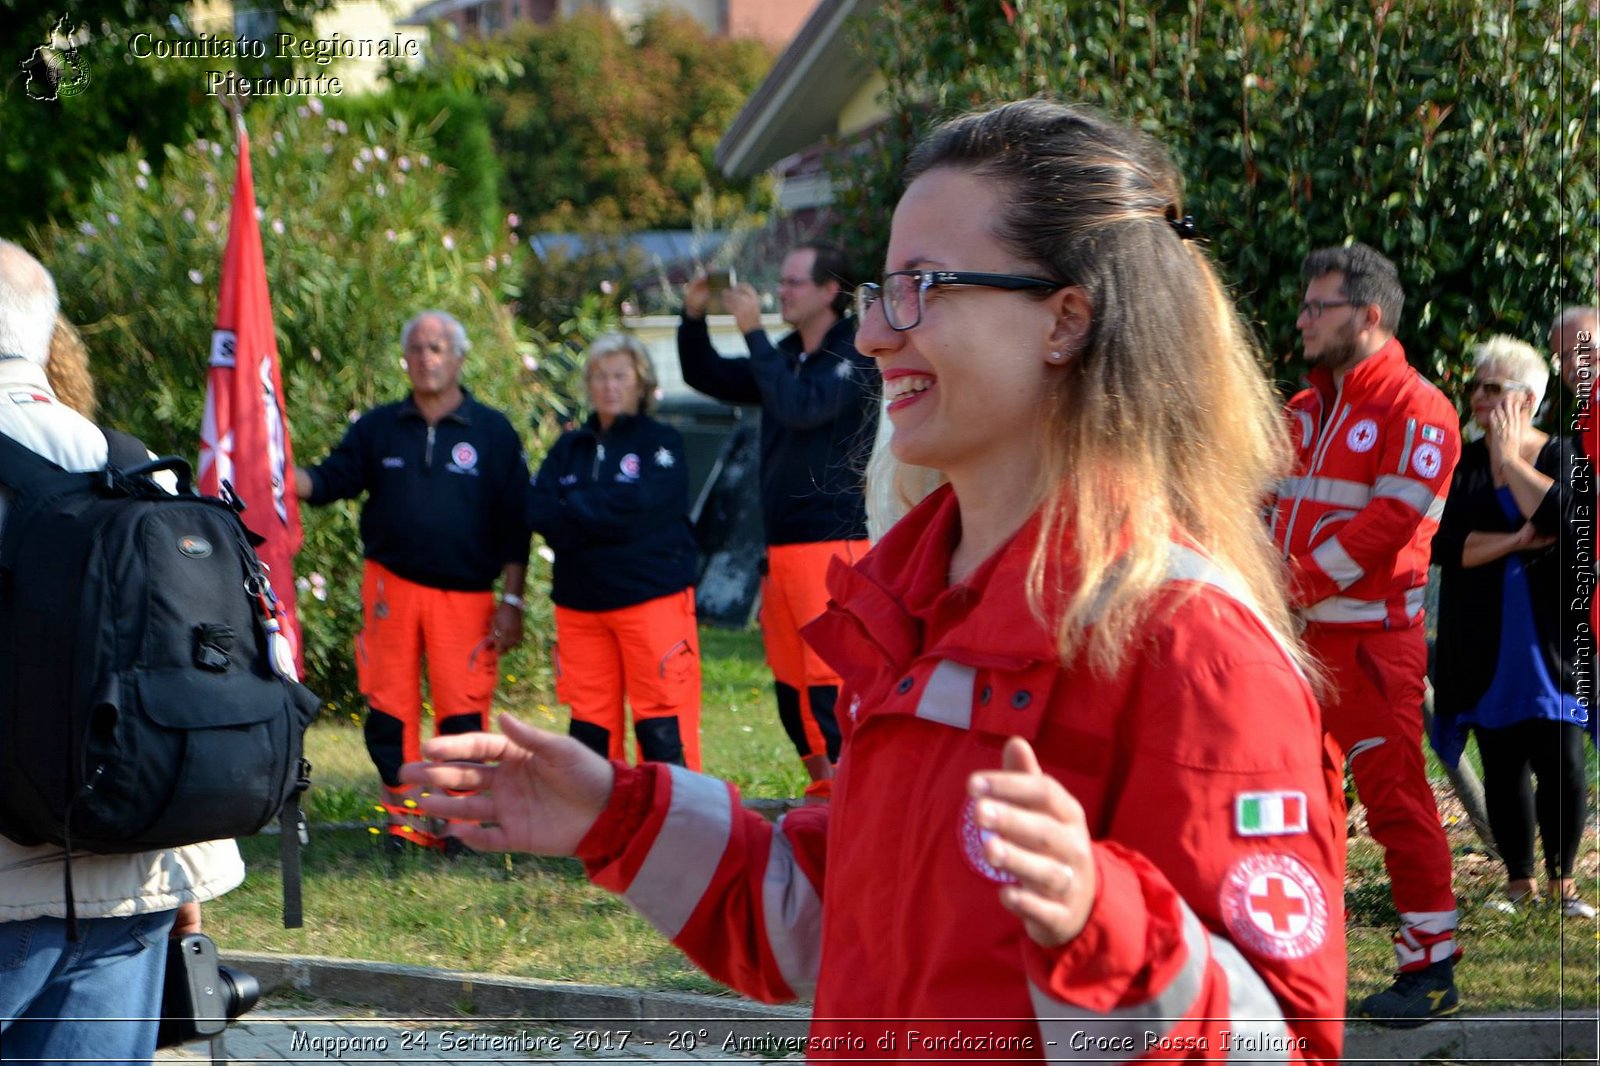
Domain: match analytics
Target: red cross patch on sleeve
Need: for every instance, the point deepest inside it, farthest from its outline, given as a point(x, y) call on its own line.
point(1273, 905)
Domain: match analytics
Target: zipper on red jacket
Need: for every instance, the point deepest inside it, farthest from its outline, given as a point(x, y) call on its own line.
point(1319, 453)
point(1405, 454)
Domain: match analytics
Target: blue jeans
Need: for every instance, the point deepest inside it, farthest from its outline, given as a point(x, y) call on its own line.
point(98, 999)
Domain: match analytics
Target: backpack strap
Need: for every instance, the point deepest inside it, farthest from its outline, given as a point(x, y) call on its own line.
point(24, 470)
point(129, 460)
point(291, 838)
point(124, 450)
point(35, 481)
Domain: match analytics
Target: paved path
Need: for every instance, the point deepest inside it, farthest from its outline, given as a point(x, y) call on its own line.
point(440, 1018)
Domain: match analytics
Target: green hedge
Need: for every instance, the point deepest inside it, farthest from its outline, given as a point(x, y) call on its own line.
point(457, 122)
point(603, 128)
point(1457, 136)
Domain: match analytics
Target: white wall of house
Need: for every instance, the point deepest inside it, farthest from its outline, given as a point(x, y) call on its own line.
point(369, 20)
point(709, 13)
point(659, 333)
point(865, 106)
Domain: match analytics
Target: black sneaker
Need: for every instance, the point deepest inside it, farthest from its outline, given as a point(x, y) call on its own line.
point(1416, 997)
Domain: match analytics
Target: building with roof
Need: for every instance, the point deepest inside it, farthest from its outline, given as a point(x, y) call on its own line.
point(355, 21)
point(821, 94)
point(771, 21)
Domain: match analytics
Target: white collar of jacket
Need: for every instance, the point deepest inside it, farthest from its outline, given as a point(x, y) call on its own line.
point(31, 414)
point(15, 370)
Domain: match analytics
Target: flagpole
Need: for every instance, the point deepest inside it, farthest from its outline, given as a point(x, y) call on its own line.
point(245, 433)
point(231, 104)
point(234, 105)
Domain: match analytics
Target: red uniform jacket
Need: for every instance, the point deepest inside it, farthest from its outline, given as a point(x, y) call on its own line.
point(1218, 922)
point(1373, 460)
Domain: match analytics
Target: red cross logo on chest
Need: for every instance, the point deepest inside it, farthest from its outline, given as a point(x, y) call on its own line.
point(1362, 436)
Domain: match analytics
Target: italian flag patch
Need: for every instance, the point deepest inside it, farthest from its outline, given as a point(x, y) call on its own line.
point(1268, 814)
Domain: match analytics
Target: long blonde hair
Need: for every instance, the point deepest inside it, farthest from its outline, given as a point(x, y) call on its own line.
point(1164, 425)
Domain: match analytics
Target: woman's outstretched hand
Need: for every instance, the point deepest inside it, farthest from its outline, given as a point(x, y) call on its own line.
point(533, 791)
point(1037, 834)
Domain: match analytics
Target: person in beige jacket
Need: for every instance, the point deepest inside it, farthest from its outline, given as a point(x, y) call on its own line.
point(98, 997)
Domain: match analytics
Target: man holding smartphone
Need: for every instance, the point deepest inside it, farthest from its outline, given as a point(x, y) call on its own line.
point(818, 399)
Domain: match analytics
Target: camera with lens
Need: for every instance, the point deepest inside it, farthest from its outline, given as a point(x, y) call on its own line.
point(201, 996)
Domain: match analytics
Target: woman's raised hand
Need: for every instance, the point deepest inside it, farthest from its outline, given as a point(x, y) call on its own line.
point(532, 791)
point(1037, 834)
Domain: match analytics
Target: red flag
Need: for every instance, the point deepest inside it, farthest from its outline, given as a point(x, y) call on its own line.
point(245, 438)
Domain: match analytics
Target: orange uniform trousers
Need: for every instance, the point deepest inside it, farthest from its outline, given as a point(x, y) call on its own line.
point(794, 591)
point(649, 654)
point(405, 625)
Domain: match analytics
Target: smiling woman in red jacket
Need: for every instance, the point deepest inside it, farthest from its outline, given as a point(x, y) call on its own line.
point(1083, 810)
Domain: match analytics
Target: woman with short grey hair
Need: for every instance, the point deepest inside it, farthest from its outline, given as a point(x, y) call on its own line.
point(611, 499)
point(1509, 643)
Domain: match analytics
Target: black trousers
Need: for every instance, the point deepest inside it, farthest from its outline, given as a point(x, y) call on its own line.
point(1533, 774)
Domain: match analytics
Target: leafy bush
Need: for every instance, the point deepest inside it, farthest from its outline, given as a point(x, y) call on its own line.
point(1457, 136)
point(357, 239)
point(49, 146)
point(457, 122)
point(603, 129)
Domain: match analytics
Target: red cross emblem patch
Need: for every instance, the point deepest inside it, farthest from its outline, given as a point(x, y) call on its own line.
point(1426, 460)
point(1274, 906)
point(1362, 436)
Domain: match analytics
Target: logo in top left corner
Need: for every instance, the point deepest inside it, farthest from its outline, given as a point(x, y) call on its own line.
point(56, 69)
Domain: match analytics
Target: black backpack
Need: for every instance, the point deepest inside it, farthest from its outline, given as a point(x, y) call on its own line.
point(139, 704)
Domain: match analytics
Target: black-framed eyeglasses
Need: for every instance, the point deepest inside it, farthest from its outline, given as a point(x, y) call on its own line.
point(1314, 308)
point(901, 291)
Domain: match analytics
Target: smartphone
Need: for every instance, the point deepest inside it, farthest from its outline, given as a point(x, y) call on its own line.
point(722, 280)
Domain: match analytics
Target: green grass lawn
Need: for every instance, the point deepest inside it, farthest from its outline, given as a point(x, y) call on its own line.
point(522, 916)
point(1531, 961)
point(740, 737)
point(515, 915)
